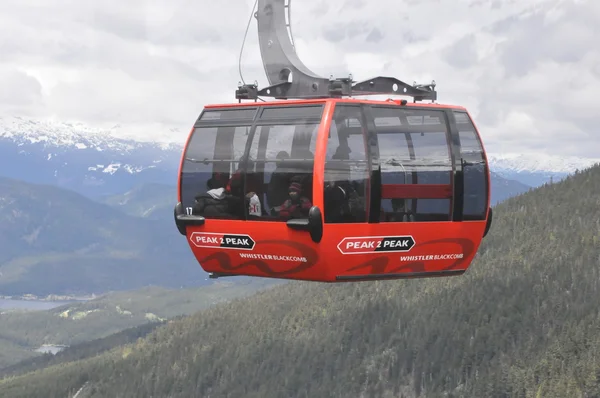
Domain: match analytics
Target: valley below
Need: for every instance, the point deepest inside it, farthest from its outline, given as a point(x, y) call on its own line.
point(28, 328)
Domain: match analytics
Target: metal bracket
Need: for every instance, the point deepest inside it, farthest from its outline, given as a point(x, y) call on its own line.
point(391, 85)
point(288, 77)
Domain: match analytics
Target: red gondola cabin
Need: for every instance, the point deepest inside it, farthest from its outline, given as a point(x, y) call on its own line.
point(334, 190)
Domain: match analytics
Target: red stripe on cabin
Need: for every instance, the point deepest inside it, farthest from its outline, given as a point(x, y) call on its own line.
point(416, 191)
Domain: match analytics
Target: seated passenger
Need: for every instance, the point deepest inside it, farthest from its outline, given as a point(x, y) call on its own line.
point(344, 198)
point(213, 202)
point(398, 213)
point(236, 183)
point(217, 202)
point(297, 206)
point(302, 168)
point(338, 188)
point(337, 196)
point(337, 180)
point(280, 181)
point(221, 178)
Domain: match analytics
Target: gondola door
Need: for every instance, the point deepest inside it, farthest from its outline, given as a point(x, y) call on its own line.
point(398, 219)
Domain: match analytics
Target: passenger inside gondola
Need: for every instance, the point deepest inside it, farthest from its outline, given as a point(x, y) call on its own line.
point(346, 170)
point(236, 183)
point(251, 192)
point(280, 181)
point(217, 201)
point(297, 205)
point(338, 187)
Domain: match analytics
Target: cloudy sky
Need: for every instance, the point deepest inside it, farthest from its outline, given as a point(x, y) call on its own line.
point(526, 69)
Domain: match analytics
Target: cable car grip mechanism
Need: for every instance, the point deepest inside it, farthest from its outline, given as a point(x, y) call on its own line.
point(288, 77)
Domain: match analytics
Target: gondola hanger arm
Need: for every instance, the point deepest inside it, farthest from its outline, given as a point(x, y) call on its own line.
point(288, 77)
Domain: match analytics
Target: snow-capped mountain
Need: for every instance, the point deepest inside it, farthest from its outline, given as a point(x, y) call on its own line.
point(535, 169)
point(100, 163)
point(90, 161)
point(539, 162)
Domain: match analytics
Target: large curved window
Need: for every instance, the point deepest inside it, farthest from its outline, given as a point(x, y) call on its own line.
point(280, 171)
point(416, 164)
point(240, 167)
point(346, 176)
point(212, 158)
point(474, 169)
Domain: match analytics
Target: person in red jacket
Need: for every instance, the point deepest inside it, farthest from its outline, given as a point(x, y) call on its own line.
point(297, 206)
point(236, 183)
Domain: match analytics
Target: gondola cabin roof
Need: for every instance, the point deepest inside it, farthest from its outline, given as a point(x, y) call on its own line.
point(398, 102)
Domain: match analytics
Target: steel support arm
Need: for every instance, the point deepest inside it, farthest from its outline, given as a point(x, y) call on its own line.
point(288, 77)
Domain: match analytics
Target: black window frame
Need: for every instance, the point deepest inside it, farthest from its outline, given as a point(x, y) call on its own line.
point(486, 169)
point(376, 177)
point(371, 151)
point(226, 110)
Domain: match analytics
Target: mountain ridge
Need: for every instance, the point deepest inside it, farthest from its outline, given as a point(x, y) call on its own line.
point(79, 135)
point(538, 162)
point(90, 161)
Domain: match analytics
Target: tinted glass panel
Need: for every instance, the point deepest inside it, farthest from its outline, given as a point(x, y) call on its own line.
point(295, 112)
point(346, 168)
point(414, 149)
point(475, 171)
point(280, 172)
point(212, 158)
point(228, 114)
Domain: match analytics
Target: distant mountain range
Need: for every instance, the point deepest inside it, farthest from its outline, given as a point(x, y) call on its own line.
point(99, 164)
point(537, 169)
point(91, 162)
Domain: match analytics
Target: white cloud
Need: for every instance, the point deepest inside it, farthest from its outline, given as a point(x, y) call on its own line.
point(527, 70)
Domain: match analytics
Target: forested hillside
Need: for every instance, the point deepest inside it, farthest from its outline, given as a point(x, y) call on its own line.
point(522, 322)
point(56, 241)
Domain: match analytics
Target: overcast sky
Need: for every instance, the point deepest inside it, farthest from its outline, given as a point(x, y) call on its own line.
point(528, 70)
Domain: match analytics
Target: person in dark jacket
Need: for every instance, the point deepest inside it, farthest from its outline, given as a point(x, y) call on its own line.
point(236, 184)
point(338, 188)
point(279, 183)
point(217, 202)
point(337, 202)
point(297, 206)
